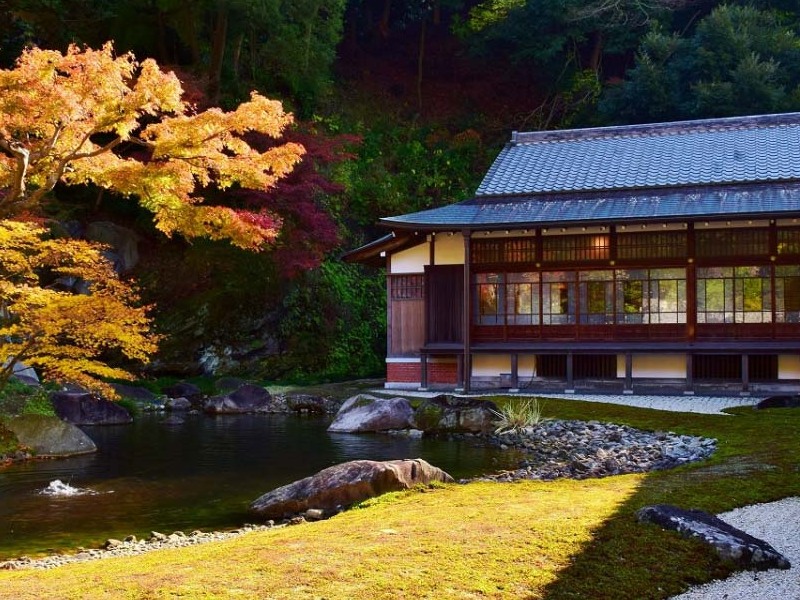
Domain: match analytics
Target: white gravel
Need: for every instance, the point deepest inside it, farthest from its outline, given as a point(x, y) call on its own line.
point(778, 523)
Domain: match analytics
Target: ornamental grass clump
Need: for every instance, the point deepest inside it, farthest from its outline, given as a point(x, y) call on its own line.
point(516, 415)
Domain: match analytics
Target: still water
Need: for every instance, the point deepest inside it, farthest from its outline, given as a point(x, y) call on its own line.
point(201, 474)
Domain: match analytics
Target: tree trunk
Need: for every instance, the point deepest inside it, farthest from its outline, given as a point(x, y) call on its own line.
point(597, 51)
point(237, 54)
point(218, 41)
point(420, 60)
point(383, 27)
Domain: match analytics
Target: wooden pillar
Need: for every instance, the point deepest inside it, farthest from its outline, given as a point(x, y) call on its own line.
point(745, 375)
point(514, 373)
point(570, 375)
point(432, 249)
point(689, 375)
point(691, 285)
point(423, 366)
point(628, 374)
point(467, 318)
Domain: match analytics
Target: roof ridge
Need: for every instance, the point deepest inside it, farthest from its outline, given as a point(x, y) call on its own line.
point(657, 129)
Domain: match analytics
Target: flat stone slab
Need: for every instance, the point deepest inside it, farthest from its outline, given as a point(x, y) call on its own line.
point(730, 543)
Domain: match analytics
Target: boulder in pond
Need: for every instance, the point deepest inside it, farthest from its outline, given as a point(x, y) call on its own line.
point(307, 403)
point(451, 414)
point(184, 389)
point(134, 392)
point(340, 486)
point(177, 404)
point(83, 408)
point(48, 436)
point(248, 398)
point(729, 542)
point(363, 413)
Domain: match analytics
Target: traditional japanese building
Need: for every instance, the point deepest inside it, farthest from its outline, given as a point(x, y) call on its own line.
point(623, 258)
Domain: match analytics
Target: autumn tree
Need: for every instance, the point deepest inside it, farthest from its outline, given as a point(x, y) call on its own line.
point(68, 336)
point(90, 117)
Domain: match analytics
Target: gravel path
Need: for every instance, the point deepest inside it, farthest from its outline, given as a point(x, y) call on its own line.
point(777, 523)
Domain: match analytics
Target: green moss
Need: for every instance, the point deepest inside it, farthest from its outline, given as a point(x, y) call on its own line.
point(428, 415)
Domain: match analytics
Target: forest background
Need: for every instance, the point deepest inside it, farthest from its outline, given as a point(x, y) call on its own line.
point(401, 105)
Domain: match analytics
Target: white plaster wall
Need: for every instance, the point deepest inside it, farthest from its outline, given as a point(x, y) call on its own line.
point(449, 249)
point(487, 365)
point(657, 365)
point(526, 365)
point(412, 260)
point(788, 366)
point(492, 365)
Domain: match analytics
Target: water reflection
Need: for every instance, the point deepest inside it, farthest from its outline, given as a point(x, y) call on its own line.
point(199, 474)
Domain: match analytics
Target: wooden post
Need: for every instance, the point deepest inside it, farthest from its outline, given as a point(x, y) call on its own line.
point(467, 318)
point(514, 373)
point(628, 374)
point(570, 375)
point(745, 375)
point(423, 365)
point(689, 391)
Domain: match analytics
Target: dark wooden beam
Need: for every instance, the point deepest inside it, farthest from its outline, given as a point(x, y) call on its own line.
point(467, 317)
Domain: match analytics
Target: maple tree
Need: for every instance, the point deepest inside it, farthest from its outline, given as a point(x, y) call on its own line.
point(71, 117)
point(67, 335)
point(90, 117)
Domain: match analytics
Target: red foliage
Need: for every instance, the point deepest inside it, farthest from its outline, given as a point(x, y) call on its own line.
point(309, 232)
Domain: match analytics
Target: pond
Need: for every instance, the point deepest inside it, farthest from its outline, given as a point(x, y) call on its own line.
point(200, 474)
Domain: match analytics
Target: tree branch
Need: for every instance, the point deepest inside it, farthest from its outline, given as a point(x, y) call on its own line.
point(22, 156)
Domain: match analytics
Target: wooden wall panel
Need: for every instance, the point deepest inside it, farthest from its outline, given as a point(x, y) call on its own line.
point(407, 327)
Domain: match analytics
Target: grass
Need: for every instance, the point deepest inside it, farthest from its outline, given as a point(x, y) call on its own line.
point(559, 540)
point(518, 414)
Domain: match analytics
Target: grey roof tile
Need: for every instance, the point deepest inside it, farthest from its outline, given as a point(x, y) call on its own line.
point(711, 151)
point(603, 207)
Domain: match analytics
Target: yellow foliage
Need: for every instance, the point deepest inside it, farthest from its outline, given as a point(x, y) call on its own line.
point(63, 115)
point(68, 336)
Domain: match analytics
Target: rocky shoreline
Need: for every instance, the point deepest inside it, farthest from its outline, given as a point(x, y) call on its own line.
point(550, 450)
point(555, 449)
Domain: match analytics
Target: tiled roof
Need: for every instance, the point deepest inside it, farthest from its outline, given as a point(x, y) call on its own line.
point(714, 167)
point(710, 151)
point(665, 204)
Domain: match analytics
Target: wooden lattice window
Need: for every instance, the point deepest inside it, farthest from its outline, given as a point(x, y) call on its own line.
point(487, 251)
point(571, 248)
point(732, 242)
point(788, 241)
point(647, 245)
point(408, 287)
point(496, 251)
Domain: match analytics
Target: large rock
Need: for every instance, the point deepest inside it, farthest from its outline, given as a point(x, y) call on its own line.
point(124, 243)
point(450, 414)
point(83, 408)
point(24, 374)
point(50, 436)
point(308, 404)
point(780, 402)
point(730, 543)
point(184, 389)
point(134, 392)
point(248, 398)
point(342, 485)
point(363, 413)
